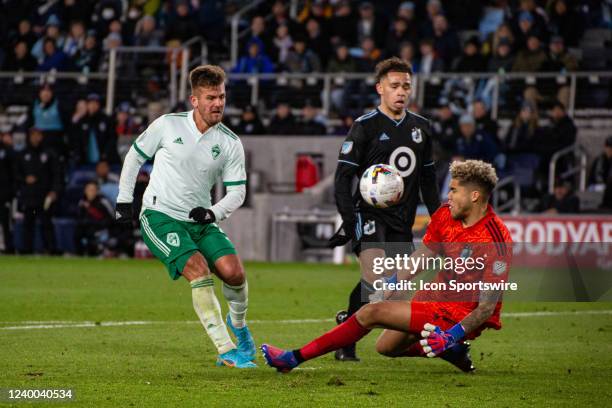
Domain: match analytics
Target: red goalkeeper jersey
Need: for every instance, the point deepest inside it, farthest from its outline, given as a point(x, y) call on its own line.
point(487, 243)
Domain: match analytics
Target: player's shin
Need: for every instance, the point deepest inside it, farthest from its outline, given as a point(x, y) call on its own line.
point(340, 336)
point(208, 309)
point(237, 300)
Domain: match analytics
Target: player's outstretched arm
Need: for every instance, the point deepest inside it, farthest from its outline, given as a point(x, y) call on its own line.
point(436, 341)
point(129, 173)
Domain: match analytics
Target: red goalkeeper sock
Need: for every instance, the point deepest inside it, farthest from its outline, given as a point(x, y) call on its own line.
point(340, 336)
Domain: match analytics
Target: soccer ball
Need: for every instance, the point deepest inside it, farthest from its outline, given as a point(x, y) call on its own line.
point(381, 186)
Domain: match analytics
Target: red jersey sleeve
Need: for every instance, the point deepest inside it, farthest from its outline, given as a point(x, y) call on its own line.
point(435, 230)
point(499, 252)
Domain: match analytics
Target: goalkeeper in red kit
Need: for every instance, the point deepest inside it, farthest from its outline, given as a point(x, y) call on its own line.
point(434, 323)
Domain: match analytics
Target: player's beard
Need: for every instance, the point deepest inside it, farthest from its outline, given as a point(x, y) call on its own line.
point(210, 118)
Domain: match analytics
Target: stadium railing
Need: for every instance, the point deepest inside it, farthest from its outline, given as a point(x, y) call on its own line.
point(575, 152)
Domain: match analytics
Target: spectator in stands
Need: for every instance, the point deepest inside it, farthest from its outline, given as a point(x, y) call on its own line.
point(48, 116)
point(301, 59)
point(429, 61)
point(473, 144)
point(25, 33)
point(54, 58)
point(112, 41)
point(317, 41)
point(94, 218)
point(368, 55)
point(560, 135)
point(75, 40)
point(562, 201)
point(95, 136)
point(502, 34)
point(107, 181)
point(471, 60)
point(529, 20)
point(445, 129)
point(146, 33)
point(88, 58)
point(52, 32)
point(565, 21)
point(20, 59)
point(406, 12)
point(280, 16)
point(530, 59)
point(309, 124)
point(433, 9)
point(446, 41)
point(502, 60)
point(522, 136)
point(38, 182)
point(344, 127)
point(342, 62)
point(559, 60)
point(181, 25)
point(255, 62)
point(258, 35)
point(250, 124)
point(396, 36)
point(343, 24)
point(7, 191)
point(125, 123)
point(104, 12)
point(601, 169)
point(283, 121)
point(283, 43)
point(406, 53)
point(484, 123)
point(370, 25)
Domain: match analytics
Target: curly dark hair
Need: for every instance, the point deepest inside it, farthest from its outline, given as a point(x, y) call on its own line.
point(393, 64)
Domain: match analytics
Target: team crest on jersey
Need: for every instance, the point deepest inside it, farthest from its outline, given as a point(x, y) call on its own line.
point(173, 239)
point(369, 228)
point(466, 252)
point(346, 147)
point(499, 267)
point(417, 136)
point(215, 151)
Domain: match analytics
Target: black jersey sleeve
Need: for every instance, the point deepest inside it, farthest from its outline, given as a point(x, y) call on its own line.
point(352, 154)
point(428, 185)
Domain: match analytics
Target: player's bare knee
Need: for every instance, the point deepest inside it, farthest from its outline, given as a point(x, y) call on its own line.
point(234, 276)
point(383, 348)
point(368, 315)
point(195, 267)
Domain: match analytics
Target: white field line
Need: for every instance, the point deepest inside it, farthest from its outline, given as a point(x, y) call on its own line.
point(60, 324)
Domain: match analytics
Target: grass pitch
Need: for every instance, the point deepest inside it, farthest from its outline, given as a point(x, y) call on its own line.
point(122, 334)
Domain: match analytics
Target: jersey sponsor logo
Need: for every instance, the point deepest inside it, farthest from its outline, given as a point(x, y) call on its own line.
point(369, 228)
point(346, 147)
point(404, 160)
point(499, 267)
point(383, 137)
point(173, 239)
point(215, 151)
point(178, 140)
point(417, 136)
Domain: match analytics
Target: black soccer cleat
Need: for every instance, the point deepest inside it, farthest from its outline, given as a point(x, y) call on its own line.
point(459, 356)
point(347, 353)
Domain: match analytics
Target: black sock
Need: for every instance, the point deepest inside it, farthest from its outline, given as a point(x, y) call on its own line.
point(354, 300)
point(298, 356)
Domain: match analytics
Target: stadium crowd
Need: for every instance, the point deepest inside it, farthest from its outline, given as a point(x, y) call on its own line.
point(69, 163)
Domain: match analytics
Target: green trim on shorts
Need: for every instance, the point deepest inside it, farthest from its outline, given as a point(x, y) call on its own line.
point(173, 241)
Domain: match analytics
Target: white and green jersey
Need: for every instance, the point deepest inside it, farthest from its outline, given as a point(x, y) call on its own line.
point(188, 163)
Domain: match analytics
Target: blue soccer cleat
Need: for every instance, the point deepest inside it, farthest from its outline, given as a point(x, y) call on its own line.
point(283, 360)
point(234, 358)
point(246, 344)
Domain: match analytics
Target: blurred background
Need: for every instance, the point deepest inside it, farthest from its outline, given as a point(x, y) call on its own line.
point(523, 84)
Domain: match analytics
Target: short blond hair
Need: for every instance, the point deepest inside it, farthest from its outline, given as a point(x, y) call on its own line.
point(476, 172)
point(206, 76)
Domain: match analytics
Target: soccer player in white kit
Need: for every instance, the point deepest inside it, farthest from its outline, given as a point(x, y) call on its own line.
point(179, 225)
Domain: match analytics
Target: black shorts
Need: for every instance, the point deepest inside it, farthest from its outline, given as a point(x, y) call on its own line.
point(374, 233)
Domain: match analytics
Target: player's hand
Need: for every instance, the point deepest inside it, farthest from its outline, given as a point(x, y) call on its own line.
point(202, 215)
point(436, 341)
point(343, 235)
point(123, 213)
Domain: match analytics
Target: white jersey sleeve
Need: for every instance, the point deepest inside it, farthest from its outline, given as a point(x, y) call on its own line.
point(234, 172)
point(150, 141)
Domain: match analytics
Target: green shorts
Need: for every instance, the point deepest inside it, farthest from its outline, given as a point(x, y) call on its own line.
point(173, 241)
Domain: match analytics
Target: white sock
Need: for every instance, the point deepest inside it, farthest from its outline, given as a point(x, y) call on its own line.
point(208, 309)
point(238, 300)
